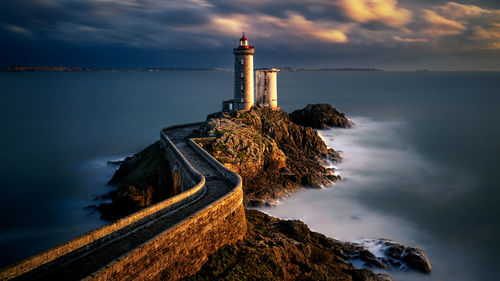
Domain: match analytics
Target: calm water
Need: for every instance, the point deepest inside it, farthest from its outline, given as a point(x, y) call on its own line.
point(420, 167)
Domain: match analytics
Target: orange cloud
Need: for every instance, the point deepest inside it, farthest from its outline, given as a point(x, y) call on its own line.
point(439, 25)
point(294, 24)
point(299, 25)
point(383, 11)
point(332, 36)
point(455, 10)
point(480, 26)
point(234, 24)
point(410, 40)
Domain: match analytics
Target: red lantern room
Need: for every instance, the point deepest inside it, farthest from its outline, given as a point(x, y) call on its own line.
point(244, 43)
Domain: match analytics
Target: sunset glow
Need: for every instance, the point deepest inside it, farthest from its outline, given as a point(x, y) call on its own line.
point(34, 30)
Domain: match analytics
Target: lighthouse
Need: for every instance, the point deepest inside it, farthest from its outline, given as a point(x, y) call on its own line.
point(243, 75)
point(267, 92)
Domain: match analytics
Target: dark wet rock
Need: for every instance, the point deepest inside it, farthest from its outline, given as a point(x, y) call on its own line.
point(414, 258)
point(320, 116)
point(368, 275)
point(371, 260)
point(115, 162)
point(384, 277)
point(397, 256)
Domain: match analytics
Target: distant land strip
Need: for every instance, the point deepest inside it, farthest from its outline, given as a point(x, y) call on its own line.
point(153, 69)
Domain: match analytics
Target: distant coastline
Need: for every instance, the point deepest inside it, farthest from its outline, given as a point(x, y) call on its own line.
point(297, 69)
point(157, 69)
point(108, 69)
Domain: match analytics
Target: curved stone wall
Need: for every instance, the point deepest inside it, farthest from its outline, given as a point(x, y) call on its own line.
point(179, 250)
point(189, 176)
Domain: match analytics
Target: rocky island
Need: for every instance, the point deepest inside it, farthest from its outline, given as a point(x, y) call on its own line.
point(276, 154)
point(273, 155)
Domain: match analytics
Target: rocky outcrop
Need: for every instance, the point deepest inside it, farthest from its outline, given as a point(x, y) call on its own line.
point(142, 180)
point(320, 116)
point(276, 249)
point(413, 258)
point(394, 255)
point(273, 155)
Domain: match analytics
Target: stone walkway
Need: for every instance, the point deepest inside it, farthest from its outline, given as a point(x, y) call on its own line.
point(77, 266)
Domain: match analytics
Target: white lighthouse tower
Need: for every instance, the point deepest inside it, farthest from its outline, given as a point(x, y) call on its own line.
point(243, 75)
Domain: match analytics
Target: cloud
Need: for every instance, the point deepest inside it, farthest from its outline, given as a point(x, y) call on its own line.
point(410, 40)
point(455, 10)
point(332, 36)
point(19, 30)
point(439, 25)
point(474, 27)
point(231, 25)
point(297, 25)
point(291, 29)
point(311, 28)
point(381, 11)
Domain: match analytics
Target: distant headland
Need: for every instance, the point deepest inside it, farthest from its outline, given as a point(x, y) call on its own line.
point(43, 68)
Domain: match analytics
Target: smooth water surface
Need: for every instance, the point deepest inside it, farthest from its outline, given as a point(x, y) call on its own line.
point(420, 166)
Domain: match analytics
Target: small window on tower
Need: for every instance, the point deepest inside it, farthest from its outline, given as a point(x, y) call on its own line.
point(242, 61)
point(242, 74)
point(242, 87)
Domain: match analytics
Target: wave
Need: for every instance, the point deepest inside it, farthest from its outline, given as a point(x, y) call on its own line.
point(374, 155)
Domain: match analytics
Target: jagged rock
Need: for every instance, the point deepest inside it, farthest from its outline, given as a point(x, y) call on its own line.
point(276, 249)
point(370, 259)
point(273, 155)
point(320, 116)
point(141, 180)
point(368, 275)
point(295, 229)
point(413, 257)
point(242, 148)
point(397, 256)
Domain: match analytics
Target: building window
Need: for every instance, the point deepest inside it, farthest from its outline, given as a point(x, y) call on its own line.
point(242, 74)
point(242, 61)
point(242, 87)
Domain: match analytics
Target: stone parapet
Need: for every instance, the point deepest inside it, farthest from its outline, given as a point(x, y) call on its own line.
point(176, 252)
point(79, 245)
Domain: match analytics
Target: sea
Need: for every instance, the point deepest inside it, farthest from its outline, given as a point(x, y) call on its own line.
point(421, 164)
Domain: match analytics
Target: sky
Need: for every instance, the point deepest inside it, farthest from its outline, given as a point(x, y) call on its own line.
point(386, 34)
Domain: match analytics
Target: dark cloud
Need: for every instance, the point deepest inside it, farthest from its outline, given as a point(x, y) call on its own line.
point(293, 32)
point(181, 18)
